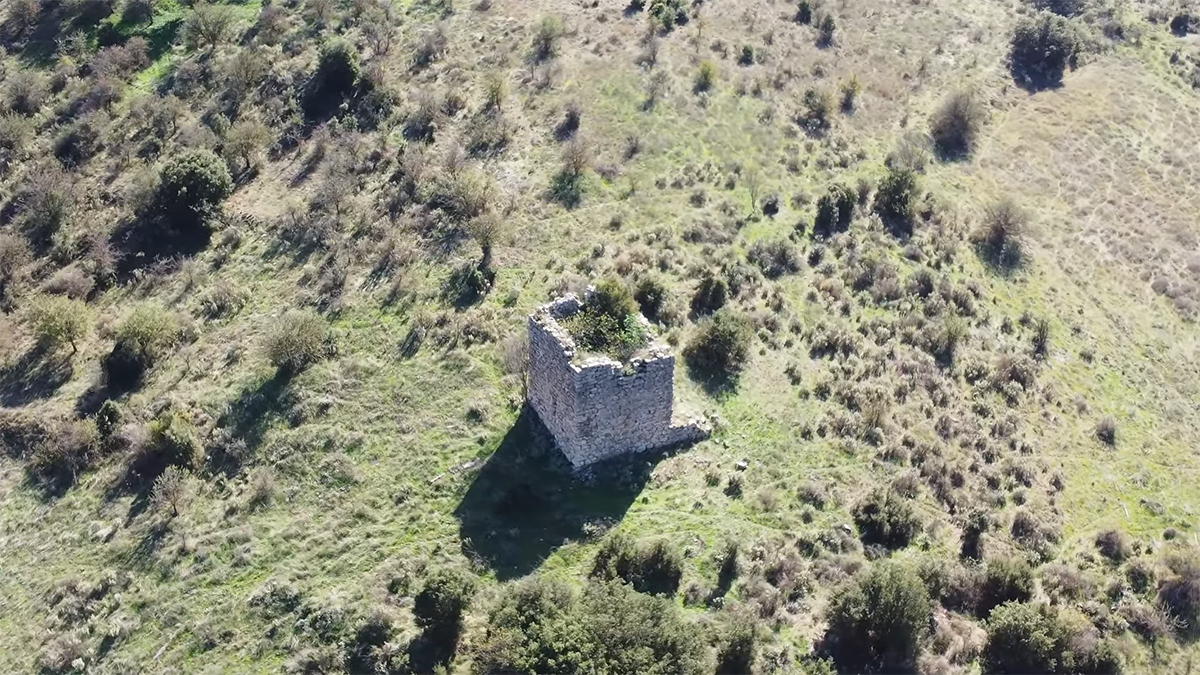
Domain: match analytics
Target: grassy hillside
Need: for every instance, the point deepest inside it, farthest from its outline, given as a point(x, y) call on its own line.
point(265, 269)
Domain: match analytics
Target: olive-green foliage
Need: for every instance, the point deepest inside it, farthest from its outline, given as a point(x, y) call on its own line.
point(818, 110)
point(669, 13)
point(57, 320)
point(1004, 580)
point(896, 200)
point(191, 187)
point(835, 210)
point(335, 78)
point(735, 655)
point(440, 605)
point(1036, 638)
point(1041, 49)
point(609, 321)
point(651, 295)
point(886, 518)
point(298, 340)
point(877, 623)
point(545, 38)
point(141, 339)
point(711, 295)
point(706, 76)
point(654, 568)
point(720, 347)
point(775, 258)
point(543, 626)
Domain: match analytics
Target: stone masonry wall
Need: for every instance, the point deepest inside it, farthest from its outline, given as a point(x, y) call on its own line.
point(596, 409)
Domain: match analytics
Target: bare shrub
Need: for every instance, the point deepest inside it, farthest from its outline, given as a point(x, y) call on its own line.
point(1106, 430)
point(209, 26)
point(956, 123)
point(1001, 239)
point(297, 341)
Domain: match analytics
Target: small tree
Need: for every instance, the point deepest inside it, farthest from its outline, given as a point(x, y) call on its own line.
point(142, 338)
point(720, 347)
point(439, 607)
point(57, 320)
point(209, 26)
point(545, 37)
point(1004, 580)
point(244, 141)
point(735, 655)
point(826, 30)
point(335, 78)
point(877, 623)
point(896, 200)
point(888, 519)
point(190, 189)
point(1041, 49)
point(705, 77)
point(298, 340)
point(172, 492)
point(835, 210)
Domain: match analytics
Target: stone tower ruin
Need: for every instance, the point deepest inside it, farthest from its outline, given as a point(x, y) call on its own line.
point(598, 408)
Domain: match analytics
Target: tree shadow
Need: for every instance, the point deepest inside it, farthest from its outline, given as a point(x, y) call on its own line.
point(526, 501)
point(36, 375)
point(718, 385)
point(248, 417)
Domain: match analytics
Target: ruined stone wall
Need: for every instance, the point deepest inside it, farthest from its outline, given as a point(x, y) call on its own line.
point(598, 409)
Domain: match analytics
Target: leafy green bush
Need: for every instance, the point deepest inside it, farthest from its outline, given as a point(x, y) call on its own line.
point(1035, 638)
point(608, 322)
point(1041, 49)
point(297, 341)
point(655, 568)
point(818, 111)
point(896, 199)
point(711, 295)
point(720, 347)
point(335, 78)
point(835, 210)
point(735, 655)
point(651, 295)
point(542, 626)
point(174, 441)
point(887, 519)
point(1004, 580)
point(877, 622)
point(443, 599)
point(545, 38)
point(956, 124)
point(804, 12)
point(705, 77)
point(191, 187)
point(141, 339)
point(57, 321)
point(669, 13)
point(775, 258)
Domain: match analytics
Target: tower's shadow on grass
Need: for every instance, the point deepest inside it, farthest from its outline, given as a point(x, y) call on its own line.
point(526, 502)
